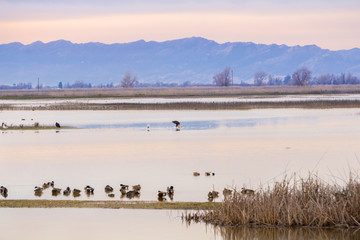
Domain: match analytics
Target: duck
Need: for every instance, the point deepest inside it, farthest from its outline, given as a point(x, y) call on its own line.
point(123, 186)
point(209, 174)
point(3, 190)
point(170, 190)
point(131, 194)
point(111, 195)
point(161, 196)
point(56, 191)
point(213, 194)
point(123, 191)
point(46, 185)
point(177, 125)
point(108, 188)
point(246, 191)
point(4, 126)
point(57, 125)
point(76, 192)
point(137, 187)
point(38, 189)
point(89, 189)
point(67, 191)
point(196, 174)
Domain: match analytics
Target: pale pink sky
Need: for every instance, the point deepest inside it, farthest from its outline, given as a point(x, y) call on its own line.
point(333, 25)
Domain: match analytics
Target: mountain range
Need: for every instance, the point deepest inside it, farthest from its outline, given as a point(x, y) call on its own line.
point(190, 59)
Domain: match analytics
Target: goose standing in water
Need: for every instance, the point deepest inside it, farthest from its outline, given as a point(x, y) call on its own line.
point(148, 128)
point(177, 125)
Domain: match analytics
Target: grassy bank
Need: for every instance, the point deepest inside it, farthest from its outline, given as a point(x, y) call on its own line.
point(293, 202)
point(35, 128)
point(177, 92)
point(105, 204)
point(311, 104)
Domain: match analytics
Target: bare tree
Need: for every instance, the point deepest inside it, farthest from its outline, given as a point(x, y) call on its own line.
point(301, 77)
point(223, 78)
point(128, 81)
point(274, 80)
point(259, 78)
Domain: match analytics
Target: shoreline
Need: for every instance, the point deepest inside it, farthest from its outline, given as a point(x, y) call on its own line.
point(107, 204)
point(311, 104)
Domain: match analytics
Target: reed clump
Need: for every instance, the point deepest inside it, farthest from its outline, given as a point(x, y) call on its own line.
point(304, 202)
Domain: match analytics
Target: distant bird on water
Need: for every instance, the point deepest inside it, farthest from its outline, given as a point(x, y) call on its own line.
point(57, 125)
point(177, 125)
point(4, 126)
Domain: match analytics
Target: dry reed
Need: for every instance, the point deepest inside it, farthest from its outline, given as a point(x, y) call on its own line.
point(308, 202)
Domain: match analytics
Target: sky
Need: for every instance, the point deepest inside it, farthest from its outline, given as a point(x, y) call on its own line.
point(330, 24)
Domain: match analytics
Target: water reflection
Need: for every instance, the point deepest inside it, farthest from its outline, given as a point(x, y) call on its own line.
point(246, 233)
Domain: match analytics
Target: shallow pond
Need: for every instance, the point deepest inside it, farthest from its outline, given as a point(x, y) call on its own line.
point(58, 224)
point(242, 148)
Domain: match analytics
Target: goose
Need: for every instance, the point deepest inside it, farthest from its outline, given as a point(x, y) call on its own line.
point(177, 125)
point(67, 191)
point(57, 125)
point(111, 195)
point(195, 174)
point(4, 126)
point(137, 187)
point(108, 188)
point(52, 183)
point(247, 191)
point(148, 128)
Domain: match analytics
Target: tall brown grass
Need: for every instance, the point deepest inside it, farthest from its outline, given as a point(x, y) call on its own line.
point(292, 202)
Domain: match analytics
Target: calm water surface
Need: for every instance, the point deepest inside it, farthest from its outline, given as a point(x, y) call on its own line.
point(91, 224)
point(243, 148)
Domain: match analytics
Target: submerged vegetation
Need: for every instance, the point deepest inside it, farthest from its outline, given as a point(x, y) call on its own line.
point(293, 202)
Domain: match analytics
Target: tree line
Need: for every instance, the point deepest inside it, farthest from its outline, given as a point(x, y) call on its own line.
point(300, 77)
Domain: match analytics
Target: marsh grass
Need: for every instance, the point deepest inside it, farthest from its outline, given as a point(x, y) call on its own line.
point(304, 202)
point(211, 91)
point(104, 204)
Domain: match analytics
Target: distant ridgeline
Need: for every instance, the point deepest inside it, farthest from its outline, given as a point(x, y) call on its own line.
point(171, 63)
